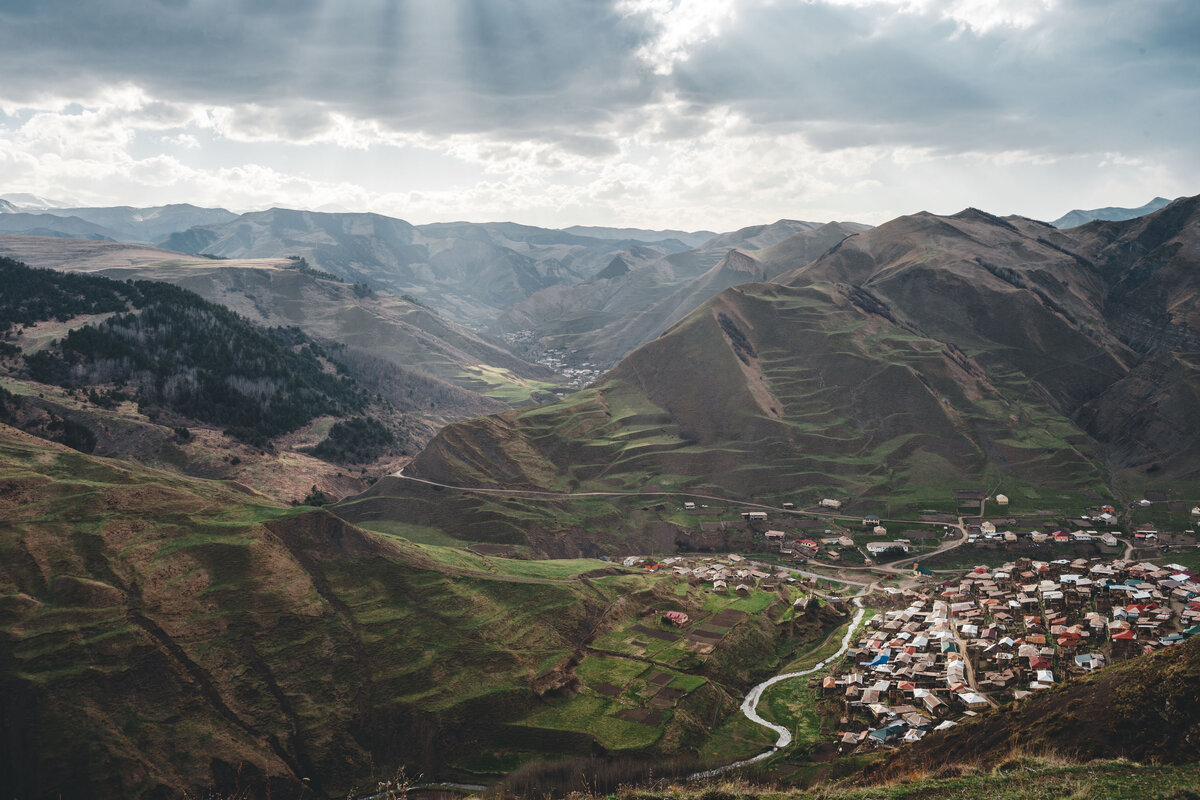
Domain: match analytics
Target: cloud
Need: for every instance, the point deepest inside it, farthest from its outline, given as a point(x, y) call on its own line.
point(711, 113)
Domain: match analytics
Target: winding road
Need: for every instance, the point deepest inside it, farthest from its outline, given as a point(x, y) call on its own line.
point(750, 704)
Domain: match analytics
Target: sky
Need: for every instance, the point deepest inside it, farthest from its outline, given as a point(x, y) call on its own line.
point(684, 114)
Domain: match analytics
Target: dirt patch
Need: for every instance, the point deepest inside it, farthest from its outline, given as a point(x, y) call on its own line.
point(662, 636)
point(1177, 507)
point(606, 689)
point(642, 715)
point(728, 618)
point(707, 639)
point(666, 698)
point(659, 678)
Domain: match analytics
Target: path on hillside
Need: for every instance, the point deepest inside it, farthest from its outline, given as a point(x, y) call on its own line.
point(750, 704)
point(948, 544)
point(569, 495)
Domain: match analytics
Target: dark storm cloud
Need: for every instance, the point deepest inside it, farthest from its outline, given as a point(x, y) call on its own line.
point(1098, 74)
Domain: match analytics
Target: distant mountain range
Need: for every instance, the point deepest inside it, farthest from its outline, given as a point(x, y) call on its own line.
point(575, 289)
point(1110, 214)
point(581, 297)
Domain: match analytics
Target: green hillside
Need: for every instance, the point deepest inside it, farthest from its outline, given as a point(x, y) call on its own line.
point(164, 634)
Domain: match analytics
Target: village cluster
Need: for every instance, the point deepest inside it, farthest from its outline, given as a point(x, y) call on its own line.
point(1000, 633)
point(726, 573)
point(1104, 517)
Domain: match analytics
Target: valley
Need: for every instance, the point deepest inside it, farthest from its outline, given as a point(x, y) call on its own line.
point(798, 503)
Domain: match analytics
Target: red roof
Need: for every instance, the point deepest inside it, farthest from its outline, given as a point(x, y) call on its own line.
point(1125, 635)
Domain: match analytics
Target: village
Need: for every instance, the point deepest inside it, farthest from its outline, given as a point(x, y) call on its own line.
point(940, 651)
point(959, 647)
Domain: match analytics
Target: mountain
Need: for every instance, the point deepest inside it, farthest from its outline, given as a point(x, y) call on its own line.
point(608, 344)
point(537, 288)
point(470, 272)
point(151, 224)
point(24, 201)
point(689, 239)
point(639, 293)
point(1078, 217)
point(52, 225)
point(929, 353)
point(462, 373)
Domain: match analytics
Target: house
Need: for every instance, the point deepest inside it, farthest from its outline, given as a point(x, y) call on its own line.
point(879, 530)
point(1001, 499)
point(828, 502)
point(755, 516)
point(987, 528)
point(870, 521)
point(789, 506)
point(878, 548)
point(774, 536)
point(676, 617)
point(973, 701)
point(888, 733)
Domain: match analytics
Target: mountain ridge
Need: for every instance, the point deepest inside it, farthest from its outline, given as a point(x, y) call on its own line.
point(1077, 217)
